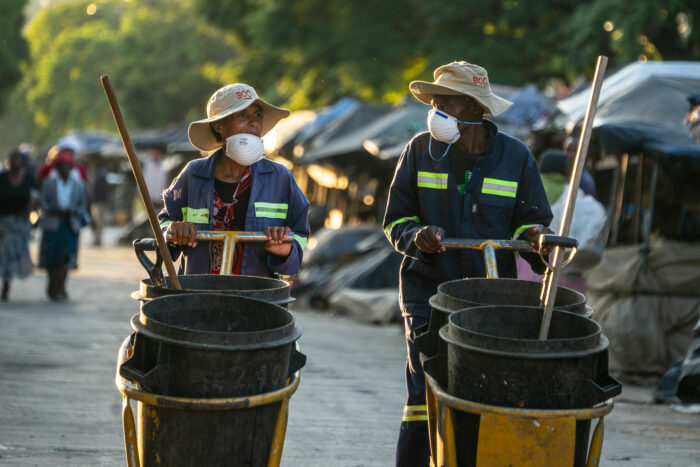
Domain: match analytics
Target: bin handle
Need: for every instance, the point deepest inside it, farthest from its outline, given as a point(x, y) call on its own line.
point(154, 270)
point(297, 360)
point(607, 388)
point(135, 374)
point(229, 237)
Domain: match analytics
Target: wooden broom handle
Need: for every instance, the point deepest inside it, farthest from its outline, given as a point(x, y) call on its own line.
point(140, 182)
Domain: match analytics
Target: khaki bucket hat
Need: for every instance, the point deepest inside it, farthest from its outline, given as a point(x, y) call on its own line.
point(461, 78)
point(224, 102)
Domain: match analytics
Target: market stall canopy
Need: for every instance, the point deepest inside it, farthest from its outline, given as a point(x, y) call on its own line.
point(397, 126)
point(87, 141)
point(642, 108)
point(333, 124)
point(172, 138)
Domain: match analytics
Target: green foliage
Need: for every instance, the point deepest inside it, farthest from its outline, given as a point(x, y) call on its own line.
point(155, 53)
point(13, 47)
point(312, 52)
point(629, 30)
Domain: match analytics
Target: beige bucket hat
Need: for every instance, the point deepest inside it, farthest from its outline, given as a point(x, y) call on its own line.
point(224, 102)
point(461, 78)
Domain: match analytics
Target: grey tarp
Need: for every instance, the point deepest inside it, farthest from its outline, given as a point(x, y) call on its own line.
point(647, 313)
point(641, 109)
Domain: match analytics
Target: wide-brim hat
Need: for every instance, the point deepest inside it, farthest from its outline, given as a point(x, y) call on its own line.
point(224, 102)
point(461, 78)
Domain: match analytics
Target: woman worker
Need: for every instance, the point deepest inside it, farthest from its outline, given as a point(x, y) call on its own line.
point(236, 188)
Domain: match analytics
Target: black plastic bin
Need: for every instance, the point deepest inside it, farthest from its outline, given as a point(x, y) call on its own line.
point(205, 346)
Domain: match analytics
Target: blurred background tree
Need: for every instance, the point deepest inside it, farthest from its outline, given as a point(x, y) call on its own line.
point(311, 52)
point(166, 57)
point(13, 47)
point(156, 52)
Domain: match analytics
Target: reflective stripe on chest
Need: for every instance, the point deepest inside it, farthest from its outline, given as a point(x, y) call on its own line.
point(196, 216)
point(271, 210)
point(433, 180)
point(493, 186)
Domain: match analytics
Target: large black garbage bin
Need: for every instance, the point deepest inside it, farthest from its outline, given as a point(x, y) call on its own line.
point(466, 293)
point(494, 357)
point(201, 347)
point(271, 290)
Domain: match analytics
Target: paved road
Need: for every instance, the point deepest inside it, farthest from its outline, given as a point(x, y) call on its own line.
point(59, 406)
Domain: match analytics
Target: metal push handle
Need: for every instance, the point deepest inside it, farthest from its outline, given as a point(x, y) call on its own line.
point(229, 237)
point(489, 248)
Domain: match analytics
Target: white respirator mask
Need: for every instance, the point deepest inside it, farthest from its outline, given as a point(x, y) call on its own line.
point(443, 128)
point(244, 149)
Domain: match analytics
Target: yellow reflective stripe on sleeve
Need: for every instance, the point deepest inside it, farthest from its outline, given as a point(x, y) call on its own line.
point(415, 413)
point(271, 210)
point(196, 216)
point(521, 229)
point(164, 224)
point(493, 186)
point(432, 180)
point(390, 227)
point(301, 240)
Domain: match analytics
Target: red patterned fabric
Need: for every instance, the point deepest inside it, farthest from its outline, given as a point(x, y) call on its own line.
point(230, 216)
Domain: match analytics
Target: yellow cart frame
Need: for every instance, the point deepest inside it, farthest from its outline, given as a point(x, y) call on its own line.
point(131, 391)
point(510, 436)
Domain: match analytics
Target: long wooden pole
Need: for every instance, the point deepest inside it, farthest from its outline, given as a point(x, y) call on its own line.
point(553, 278)
point(140, 182)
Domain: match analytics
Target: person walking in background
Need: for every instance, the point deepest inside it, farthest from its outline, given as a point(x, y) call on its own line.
point(236, 188)
point(78, 171)
point(16, 188)
point(463, 179)
point(64, 207)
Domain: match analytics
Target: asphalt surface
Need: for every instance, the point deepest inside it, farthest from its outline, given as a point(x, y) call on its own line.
point(59, 404)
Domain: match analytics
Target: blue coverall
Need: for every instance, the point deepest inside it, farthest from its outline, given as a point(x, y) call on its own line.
point(503, 197)
point(275, 200)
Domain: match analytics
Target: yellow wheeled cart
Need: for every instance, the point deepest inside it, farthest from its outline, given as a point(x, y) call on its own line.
point(508, 436)
point(151, 436)
point(496, 395)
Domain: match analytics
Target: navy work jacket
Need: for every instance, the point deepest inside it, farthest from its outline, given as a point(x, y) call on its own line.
point(275, 200)
point(503, 197)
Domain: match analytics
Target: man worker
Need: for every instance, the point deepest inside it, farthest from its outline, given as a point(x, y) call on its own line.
point(462, 179)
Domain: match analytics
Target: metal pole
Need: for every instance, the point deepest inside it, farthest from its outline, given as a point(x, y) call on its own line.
point(620, 195)
point(140, 181)
point(579, 162)
point(650, 212)
point(638, 197)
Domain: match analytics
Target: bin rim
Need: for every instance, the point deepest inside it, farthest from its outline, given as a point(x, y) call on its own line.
point(132, 391)
point(538, 350)
point(181, 336)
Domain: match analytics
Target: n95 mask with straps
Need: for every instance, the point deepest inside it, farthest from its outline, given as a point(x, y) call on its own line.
point(244, 149)
point(444, 128)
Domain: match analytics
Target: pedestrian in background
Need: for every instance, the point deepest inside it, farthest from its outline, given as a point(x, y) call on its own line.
point(16, 188)
point(46, 171)
point(64, 207)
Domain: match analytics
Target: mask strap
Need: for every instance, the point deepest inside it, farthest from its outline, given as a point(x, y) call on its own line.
point(469, 123)
point(430, 150)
